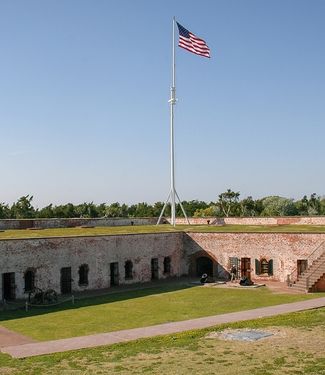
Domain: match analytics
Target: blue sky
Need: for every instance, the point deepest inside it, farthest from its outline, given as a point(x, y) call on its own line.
point(84, 89)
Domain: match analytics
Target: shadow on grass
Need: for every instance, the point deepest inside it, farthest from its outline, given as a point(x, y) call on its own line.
point(113, 295)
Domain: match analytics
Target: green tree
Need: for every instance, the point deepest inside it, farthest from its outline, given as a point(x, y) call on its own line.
point(23, 208)
point(322, 206)
point(114, 210)
point(278, 206)
point(88, 210)
point(249, 207)
point(46, 212)
point(314, 204)
point(143, 209)
point(229, 203)
point(4, 211)
point(190, 207)
point(302, 206)
point(206, 212)
point(310, 207)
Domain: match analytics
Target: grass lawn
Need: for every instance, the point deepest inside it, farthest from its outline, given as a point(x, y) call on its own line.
point(296, 348)
point(104, 231)
point(138, 308)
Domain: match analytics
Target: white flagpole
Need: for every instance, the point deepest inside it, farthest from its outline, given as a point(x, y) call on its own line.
point(172, 147)
point(172, 194)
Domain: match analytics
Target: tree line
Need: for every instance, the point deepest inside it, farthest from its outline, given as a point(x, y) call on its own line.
point(227, 204)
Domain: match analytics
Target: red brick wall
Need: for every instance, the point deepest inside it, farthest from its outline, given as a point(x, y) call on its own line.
point(284, 248)
point(294, 220)
point(320, 285)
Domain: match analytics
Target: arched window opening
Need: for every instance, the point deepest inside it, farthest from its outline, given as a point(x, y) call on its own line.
point(29, 277)
point(263, 267)
point(83, 274)
point(167, 265)
point(128, 266)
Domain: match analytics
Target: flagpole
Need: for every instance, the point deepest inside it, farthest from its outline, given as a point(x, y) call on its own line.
point(172, 194)
point(172, 146)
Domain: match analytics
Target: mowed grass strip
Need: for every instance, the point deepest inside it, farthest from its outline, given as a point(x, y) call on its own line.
point(165, 228)
point(139, 308)
point(296, 349)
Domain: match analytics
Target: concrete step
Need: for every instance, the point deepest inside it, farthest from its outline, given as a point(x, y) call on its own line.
point(320, 272)
point(300, 290)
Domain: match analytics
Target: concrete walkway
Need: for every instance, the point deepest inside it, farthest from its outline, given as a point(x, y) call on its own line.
point(74, 343)
point(10, 338)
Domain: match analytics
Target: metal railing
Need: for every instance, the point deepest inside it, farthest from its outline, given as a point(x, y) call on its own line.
point(293, 276)
point(308, 284)
point(26, 305)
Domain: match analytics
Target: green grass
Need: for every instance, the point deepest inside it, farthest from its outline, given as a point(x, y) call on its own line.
point(104, 231)
point(190, 353)
point(139, 308)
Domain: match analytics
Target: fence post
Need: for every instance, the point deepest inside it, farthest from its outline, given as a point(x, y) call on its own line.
point(72, 299)
point(26, 306)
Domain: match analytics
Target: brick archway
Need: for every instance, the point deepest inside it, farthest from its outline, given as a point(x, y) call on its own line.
point(203, 262)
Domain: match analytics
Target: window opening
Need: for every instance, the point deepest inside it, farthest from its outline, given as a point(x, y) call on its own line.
point(167, 265)
point(264, 266)
point(29, 278)
point(128, 266)
point(83, 274)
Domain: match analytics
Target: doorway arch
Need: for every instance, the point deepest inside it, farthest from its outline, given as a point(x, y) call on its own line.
point(204, 265)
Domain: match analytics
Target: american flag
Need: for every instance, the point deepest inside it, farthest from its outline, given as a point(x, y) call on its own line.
point(191, 42)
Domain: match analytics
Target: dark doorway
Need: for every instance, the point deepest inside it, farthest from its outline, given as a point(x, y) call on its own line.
point(204, 265)
point(66, 280)
point(83, 274)
point(8, 286)
point(154, 269)
point(128, 268)
point(167, 265)
point(29, 277)
point(302, 265)
point(114, 273)
point(245, 267)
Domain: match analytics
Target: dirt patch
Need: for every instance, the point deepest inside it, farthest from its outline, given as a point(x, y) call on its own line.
point(240, 334)
point(287, 351)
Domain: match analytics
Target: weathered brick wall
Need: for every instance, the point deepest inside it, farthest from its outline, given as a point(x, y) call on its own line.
point(284, 248)
point(48, 255)
point(109, 222)
point(294, 220)
point(320, 285)
point(74, 222)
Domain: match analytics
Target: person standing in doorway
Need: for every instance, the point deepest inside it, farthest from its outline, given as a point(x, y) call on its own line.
point(233, 273)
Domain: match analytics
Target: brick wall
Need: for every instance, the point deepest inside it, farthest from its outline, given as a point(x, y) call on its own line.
point(283, 248)
point(74, 222)
point(48, 255)
point(294, 220)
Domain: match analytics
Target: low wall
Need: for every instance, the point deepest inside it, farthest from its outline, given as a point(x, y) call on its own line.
point(74, 222)
point(110, 222)
point(286, 220)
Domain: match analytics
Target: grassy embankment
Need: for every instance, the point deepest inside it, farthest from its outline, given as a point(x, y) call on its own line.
point(103, 231)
